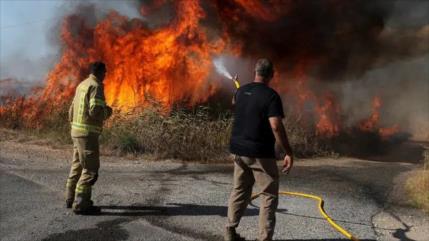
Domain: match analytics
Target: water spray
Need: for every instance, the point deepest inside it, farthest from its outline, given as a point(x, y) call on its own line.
point(221, 69)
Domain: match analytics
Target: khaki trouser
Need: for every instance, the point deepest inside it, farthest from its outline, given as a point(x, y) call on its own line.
point(265, 173)
point(83, 171)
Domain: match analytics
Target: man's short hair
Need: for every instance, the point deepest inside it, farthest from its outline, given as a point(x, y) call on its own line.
point(264, 68)
point(97, 67)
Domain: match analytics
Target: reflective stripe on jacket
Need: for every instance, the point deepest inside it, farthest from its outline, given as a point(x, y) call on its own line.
point(88, 110)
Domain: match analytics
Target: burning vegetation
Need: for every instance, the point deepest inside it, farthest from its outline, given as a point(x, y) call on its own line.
point(165, 58)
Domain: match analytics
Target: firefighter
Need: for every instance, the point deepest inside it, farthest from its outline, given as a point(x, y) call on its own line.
point(257, 126)
point(87, 113)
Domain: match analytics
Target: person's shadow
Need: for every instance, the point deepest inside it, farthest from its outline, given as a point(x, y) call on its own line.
point(180, 209)
point(172, 209)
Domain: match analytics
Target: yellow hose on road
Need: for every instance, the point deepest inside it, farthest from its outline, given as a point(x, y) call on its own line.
point(321, 210)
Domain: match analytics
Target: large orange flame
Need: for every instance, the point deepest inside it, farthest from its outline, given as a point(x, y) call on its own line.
point(172, 63)
point(168, 65)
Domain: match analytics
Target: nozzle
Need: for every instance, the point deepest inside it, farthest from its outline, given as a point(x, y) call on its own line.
point(235, 79)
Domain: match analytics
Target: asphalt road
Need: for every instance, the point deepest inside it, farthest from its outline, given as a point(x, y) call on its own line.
point(169, 200)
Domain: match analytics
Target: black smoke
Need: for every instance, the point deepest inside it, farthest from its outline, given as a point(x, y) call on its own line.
point(341, 38)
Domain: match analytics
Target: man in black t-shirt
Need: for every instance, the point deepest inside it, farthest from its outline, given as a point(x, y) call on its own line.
point(257, 126)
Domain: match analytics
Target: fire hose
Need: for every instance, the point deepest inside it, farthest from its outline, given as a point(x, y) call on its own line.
point(309, 196)
point(321, 210)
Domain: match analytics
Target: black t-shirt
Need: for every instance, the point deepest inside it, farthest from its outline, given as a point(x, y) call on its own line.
point(251, 131)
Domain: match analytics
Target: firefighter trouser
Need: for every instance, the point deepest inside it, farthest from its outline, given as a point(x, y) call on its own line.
point(83, 171)
point(265, 173)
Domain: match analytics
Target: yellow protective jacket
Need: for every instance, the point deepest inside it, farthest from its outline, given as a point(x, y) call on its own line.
point(89, 109)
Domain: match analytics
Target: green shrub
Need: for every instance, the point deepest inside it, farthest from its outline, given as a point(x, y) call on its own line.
point(129, 143)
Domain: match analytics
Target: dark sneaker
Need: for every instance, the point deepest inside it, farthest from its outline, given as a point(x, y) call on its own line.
point(91, 210)
point(231, 235)
point(69, 203)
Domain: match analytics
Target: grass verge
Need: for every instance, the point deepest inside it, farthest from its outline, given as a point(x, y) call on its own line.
point(417, 186)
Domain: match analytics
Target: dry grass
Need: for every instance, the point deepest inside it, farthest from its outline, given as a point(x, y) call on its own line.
point(304, 141)
point(186, 135)
point(418, 186)
point(418, 189)
point(49, 120)
point(198, 134)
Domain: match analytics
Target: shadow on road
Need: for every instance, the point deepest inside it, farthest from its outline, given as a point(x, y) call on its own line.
point(321, 218)
point(401, 233)
point(108, 230)
point(112, 230)
point(285, 212)
point(173, 209)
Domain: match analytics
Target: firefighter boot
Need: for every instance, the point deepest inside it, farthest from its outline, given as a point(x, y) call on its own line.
point(83, 204)
point(69, 203)
point(232, 235)
point(90, 210)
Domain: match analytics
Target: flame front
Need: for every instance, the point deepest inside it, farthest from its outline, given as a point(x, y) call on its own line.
point(171, 63)
point(372, 123)
point(167, 65)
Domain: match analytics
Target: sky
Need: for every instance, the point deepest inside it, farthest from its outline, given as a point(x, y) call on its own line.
point(23, 33)
point(24, 20)
point(26, 33)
